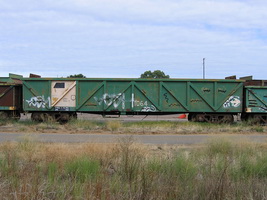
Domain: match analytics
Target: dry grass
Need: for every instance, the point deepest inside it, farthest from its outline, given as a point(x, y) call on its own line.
point(140, 127)
point(219, 170)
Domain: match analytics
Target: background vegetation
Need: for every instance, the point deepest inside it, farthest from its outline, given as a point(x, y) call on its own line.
point(154, 74)
point(77, 76)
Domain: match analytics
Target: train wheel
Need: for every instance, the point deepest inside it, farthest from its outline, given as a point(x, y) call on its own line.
point(63, 118)
point(227, 119)
point(193, 117)
point(190, 116)
point(73, 115)
point(264, 120)
point(34, 117)
point(212, 118)
point(39, 117)
point(201, 118)
point(257, 119)
point(251, 119)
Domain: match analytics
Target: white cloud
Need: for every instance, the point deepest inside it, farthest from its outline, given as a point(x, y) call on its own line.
point(233, 14)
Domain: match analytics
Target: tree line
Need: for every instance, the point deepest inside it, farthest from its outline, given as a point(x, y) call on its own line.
point(146, 74)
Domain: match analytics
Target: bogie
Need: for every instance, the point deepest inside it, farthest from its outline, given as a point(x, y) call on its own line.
point(62, 117)
point(254, 118)
point(211, 118)
point(9, 115)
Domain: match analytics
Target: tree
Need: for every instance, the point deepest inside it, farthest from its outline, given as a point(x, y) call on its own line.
point(77, 76)
point(155, 74)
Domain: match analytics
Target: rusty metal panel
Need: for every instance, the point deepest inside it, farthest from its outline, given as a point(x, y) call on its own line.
point(10, 97)
point(231, 77)
point(34, 76)
point(247, 78)
point(256, 83)
point(12, 79)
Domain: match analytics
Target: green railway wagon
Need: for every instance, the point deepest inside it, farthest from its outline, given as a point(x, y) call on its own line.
point(255, 105)
point(204, 100)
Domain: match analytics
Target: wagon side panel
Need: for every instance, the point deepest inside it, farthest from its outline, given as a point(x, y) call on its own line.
point(36, 95)
point(202, 96)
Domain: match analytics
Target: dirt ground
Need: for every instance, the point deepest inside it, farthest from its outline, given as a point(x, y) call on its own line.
point(84, 116)
point(138, 125)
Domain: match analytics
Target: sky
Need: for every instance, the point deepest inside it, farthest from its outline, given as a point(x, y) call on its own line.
point(123, 39)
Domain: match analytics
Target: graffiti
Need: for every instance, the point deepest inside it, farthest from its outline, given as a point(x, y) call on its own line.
point(140, 103)
point(206, 90)
point(132, 100)
point(166, 97)
point(170, 104)
point(149, 109)
point(263, 108)
point(174, 105)
point(222, 90)
point(39, 102)
point(62, 109)
point(233, 101)
point(116, 100)
point(112, 99)
point(195, 100)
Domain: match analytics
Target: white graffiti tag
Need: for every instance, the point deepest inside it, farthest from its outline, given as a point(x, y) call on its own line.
point(263, 108)
point(233, 101)
point(109, 99)
point(38, 101)
point(149, 109)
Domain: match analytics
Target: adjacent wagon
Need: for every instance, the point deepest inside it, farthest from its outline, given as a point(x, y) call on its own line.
point(10, 96)
point(255, 105)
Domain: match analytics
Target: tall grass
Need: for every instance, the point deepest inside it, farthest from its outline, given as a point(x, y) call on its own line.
point(82, 169)
point(222, 169)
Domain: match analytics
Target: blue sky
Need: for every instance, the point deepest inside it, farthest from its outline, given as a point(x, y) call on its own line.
point(118, 38)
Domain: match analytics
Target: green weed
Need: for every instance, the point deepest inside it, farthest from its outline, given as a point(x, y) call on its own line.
point(82, 169)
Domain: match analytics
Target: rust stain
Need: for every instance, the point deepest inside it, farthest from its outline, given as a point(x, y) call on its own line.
point(91, 104)
point(54, 99)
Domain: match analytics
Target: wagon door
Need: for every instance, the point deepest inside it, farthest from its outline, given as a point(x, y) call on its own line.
point(63, 95)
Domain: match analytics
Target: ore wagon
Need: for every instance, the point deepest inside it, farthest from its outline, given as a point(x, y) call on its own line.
point(62, 98)
point(255, 105)
point(10, 96)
